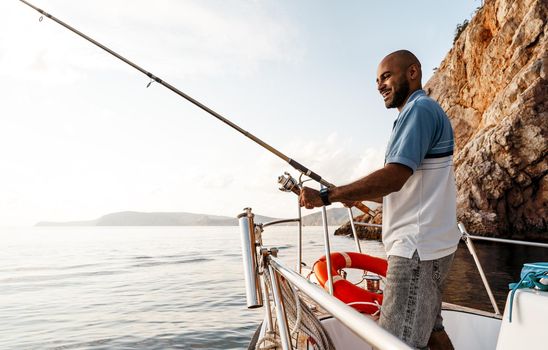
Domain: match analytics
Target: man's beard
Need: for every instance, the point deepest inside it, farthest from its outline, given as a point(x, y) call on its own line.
point(400, 94)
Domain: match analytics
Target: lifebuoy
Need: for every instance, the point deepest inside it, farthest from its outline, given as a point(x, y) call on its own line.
point(345, 290)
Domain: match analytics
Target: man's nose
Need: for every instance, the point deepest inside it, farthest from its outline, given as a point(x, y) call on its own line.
point(380, 86)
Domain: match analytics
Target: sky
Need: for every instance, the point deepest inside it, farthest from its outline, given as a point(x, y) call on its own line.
point(81, 135)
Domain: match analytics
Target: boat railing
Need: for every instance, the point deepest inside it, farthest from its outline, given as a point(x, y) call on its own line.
point(468, 239)
point(258, 258)
point(278, 222)
point(470, 245)
point(364, 327)
point(508, 241)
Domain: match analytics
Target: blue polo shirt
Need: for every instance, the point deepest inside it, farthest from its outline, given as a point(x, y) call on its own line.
point(422, 130)
point(421, 216)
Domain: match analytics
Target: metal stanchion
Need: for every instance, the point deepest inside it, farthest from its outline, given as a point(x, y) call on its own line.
point(327, 250)
point(300, 244)
point(280, 310)
point(354, 232)
point(470, 245)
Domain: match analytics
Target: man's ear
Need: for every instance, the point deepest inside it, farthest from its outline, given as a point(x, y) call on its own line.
point(413, 72)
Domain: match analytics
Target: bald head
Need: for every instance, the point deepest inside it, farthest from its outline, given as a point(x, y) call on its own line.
point(403, 58)
point(398, 75)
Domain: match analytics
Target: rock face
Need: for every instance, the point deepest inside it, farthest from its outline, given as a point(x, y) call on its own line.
point(364, 232)
point(493, 85)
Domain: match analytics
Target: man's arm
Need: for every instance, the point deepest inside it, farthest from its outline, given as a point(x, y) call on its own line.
point(376, 200)
point(372, 187)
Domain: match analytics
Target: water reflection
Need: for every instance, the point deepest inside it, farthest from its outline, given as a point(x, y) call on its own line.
point(502, 265)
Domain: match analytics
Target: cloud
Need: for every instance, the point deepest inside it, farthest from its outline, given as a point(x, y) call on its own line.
point(190, 38)
point(214, 181)
point(337, 159)
point(370, 160)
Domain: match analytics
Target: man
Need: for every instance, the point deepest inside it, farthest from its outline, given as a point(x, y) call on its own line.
point(417, 189)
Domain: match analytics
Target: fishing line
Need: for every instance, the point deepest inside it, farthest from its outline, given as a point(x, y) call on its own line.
point(153, 78)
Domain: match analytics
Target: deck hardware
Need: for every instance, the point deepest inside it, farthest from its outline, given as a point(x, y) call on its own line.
point(249, 255)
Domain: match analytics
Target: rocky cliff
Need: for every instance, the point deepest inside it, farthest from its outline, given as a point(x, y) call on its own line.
point(493, 86)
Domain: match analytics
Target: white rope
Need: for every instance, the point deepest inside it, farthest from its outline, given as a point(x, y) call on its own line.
point(270, 335)
point(299, 317)
point(308, 323)
point(295, 329)
point(376, 303)
point(275, 342)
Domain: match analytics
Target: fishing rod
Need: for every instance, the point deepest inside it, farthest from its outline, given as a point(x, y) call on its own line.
point(153, 78)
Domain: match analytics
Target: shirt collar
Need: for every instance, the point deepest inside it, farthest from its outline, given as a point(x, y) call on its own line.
point(414, 96)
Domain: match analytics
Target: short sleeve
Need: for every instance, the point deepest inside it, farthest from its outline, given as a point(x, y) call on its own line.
point(412, 137)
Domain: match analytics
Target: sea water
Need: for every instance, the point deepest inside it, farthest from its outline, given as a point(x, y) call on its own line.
point(163, 287)
point(132, 288)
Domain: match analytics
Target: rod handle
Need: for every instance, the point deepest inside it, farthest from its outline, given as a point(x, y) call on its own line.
point(307, 172)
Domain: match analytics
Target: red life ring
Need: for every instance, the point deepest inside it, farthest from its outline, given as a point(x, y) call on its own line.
point(345, 290)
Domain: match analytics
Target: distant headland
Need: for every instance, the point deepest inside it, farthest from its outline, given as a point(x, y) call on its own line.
point(336, 217)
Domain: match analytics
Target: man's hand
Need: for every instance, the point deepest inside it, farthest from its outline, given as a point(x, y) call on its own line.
point(310, 198)
point(374, 186)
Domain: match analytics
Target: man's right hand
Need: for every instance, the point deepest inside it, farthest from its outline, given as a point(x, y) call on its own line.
point(310, 198)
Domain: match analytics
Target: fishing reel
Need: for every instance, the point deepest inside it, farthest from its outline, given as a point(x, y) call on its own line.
point(289, 183)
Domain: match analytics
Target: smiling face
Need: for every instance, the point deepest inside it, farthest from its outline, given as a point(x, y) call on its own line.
point(398, 75)
point(393, 85)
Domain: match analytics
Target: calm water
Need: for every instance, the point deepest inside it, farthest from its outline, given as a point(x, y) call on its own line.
point(164, 288)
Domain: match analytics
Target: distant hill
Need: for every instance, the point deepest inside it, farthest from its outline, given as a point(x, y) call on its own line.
point(133, 218)
point(336, 217)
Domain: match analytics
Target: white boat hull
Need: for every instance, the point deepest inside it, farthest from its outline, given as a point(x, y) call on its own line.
point(471, 329)
point(529, 321)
